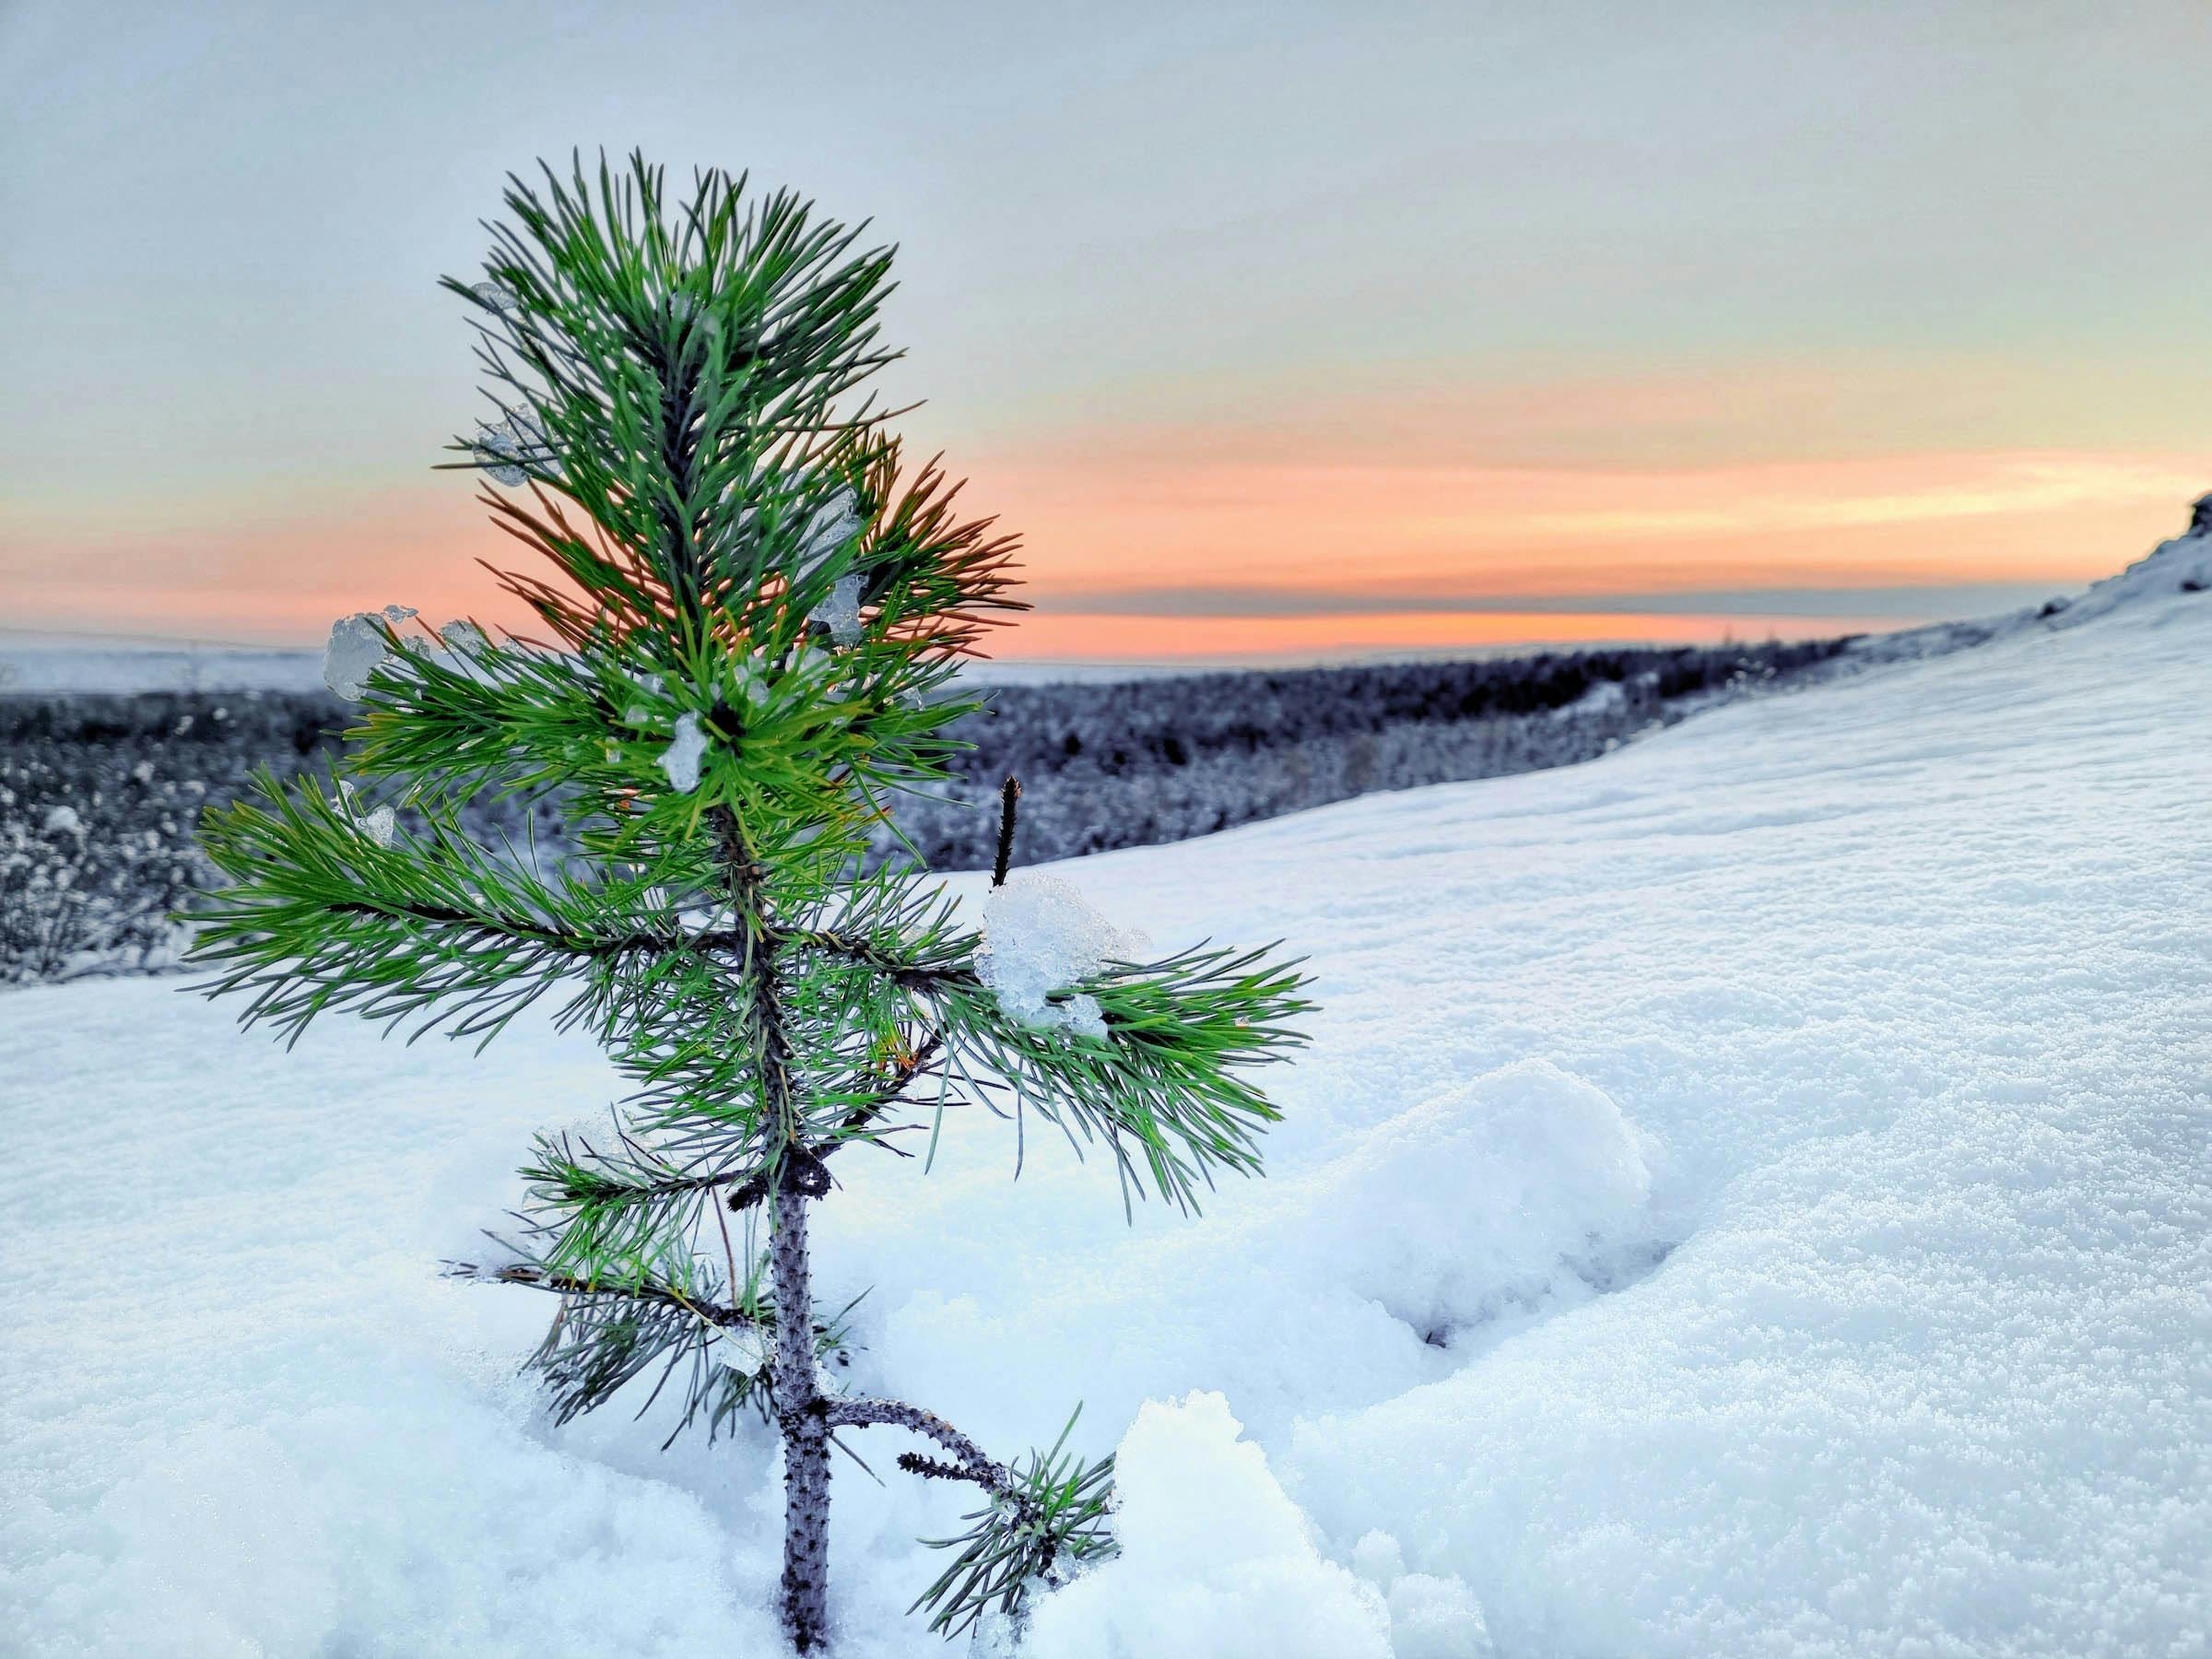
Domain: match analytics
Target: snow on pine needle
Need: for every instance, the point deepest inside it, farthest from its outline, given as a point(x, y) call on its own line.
point(1041, 939)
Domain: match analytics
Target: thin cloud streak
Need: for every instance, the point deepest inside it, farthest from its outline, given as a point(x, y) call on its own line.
point(1956, 599)
point(1058, 636)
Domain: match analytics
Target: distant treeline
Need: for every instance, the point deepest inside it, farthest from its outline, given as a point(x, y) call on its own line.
point(100, 795)
point(1133, 762)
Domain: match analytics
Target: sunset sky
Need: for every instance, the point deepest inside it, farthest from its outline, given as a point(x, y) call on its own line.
point(1278, 331)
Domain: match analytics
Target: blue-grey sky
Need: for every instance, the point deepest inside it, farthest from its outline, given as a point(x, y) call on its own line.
point(1299, 327)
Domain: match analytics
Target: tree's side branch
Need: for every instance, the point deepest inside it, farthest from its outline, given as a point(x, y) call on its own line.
point(907, 976)
point(901, 1077)
point(971, 1463)
point(659, 1296)
point(802, 1170)
point(494, 925)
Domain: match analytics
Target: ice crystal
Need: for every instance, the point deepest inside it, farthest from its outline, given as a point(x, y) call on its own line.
point(509, 448)
point(840, 612)
point(357, 644)
point(681, 758)
point(379, 824)
point(832, 526)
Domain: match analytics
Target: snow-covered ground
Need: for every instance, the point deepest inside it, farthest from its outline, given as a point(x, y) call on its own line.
point(45, 663)
point(42, 664)
point(1750, 1194)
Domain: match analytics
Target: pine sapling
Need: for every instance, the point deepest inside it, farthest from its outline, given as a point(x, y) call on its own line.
point(754, 611)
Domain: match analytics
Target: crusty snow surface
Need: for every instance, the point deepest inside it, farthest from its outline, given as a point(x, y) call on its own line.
point(1750, 1194)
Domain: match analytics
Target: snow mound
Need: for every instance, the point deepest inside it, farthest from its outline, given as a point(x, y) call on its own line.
point(270, 1538)
point(1216, 1559)
point(1372, 1271)
point(1478, 1195)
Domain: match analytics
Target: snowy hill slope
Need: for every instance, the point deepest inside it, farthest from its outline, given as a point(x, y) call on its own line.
point(2182, 565)
point(1748, 1194)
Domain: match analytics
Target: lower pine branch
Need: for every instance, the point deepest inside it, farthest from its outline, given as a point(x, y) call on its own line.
point(970, 1462)
point(561, 1284)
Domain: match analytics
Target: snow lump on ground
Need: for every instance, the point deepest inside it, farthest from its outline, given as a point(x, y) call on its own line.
point(1218, 1560)
point(1745, 1195)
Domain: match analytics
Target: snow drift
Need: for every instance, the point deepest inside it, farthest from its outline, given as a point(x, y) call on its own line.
point(1748, 1194)
point(2182, 565)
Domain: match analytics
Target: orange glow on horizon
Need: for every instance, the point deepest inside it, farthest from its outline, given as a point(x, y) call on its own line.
point(1926, 519)
point(1145, 553)
point(1111, 638)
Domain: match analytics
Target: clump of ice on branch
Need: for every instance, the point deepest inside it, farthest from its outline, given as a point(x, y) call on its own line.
point(1041, 939)
point(839, 612)
point(681, 758)
point(358, 643)
point(743, 1348)
point(834, 523)
point(501, 449)
point(464, 638)
point(378, 825)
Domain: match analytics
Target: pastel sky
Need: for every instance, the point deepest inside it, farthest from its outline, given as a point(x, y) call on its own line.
point(1281, 330)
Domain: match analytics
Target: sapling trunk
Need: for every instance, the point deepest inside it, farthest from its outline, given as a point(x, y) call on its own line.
point(802, 1416)
point(758, 611)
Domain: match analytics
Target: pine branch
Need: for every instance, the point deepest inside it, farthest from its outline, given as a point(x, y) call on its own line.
point(1164, 1090)
point(932, 1468)
point(610, 1333)
point(1044, 1514)
point(653, 1294)
point(490, 927)
point(803, 1171)
point(322, 915)
point(973, 1462)
point(862, 952)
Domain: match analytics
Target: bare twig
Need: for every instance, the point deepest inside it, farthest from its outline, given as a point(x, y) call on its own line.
point(1008, 793)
